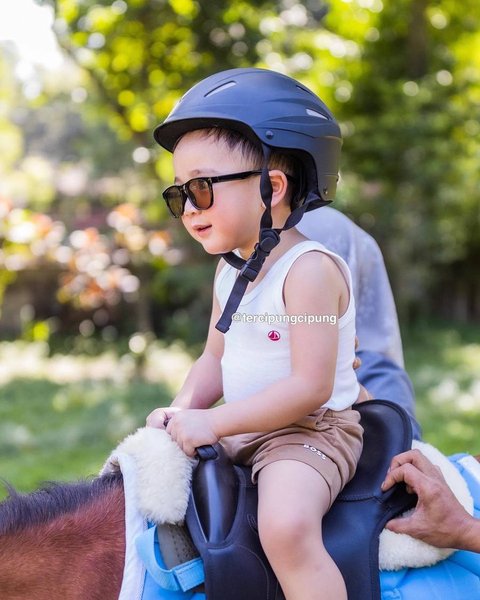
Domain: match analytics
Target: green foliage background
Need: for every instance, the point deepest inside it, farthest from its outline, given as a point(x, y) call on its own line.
point(403, 79)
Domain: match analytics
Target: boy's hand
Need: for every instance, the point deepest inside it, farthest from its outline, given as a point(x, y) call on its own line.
point(160, 417)
point(192, 428)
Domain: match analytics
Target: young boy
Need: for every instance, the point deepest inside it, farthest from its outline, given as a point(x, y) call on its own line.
point(255, 148)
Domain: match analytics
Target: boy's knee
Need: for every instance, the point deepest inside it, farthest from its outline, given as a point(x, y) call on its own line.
point(287, 532)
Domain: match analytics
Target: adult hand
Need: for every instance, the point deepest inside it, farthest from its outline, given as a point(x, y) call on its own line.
point(438, 518)
point(363, 394)
point(357, 361)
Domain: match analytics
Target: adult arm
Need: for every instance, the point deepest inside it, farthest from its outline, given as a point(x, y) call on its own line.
point(385, 379)
point(438, 519)
point(380, 351)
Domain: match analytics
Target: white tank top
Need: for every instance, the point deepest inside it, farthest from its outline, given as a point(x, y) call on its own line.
point(257, 352)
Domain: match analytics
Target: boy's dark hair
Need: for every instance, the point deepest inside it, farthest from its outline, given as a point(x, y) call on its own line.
point(286, 162)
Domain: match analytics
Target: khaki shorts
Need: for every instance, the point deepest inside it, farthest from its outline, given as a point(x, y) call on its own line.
point(329, 441)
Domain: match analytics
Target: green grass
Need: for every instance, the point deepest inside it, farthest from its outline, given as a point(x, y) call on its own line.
point(63, 432)
point(443, 362)
point(62, 415)
point(61, 423)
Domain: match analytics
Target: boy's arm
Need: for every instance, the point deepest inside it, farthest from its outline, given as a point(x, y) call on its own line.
point(314, 285)
point(203, 384)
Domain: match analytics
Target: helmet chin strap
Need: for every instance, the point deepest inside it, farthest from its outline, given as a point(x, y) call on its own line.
point(268, 239)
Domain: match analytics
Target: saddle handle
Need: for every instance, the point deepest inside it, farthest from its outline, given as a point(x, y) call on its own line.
point(206, 453)
point(214, 493)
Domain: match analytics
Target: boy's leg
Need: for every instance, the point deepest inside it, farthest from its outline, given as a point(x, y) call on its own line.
point(293, 497)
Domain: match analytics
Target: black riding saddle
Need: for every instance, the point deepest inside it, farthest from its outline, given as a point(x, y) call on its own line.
point(222, 515)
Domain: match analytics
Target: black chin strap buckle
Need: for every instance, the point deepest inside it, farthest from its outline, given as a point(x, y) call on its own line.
point(248, 271)
point(269, 238)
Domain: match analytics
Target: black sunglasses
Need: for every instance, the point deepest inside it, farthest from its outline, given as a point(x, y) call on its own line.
point(199, 191)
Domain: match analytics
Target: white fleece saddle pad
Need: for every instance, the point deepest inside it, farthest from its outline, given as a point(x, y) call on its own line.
point(162, 489)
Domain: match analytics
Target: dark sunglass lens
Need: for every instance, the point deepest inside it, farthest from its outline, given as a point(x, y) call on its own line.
point(174, 199)
point(201, 191)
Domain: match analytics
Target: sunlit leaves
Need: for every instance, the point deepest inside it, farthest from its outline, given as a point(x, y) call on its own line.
point(184, 8)
point(126, 98)
point(68, 10)
point(11, 144)
point(101, 19)
point(138, 117)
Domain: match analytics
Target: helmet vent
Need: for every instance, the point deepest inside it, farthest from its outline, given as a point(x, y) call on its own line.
point(314, 113)
point(220, 88)
point(304, 89)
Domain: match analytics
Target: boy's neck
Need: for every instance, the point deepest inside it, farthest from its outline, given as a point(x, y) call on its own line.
point(279, 216)
point(288, 239)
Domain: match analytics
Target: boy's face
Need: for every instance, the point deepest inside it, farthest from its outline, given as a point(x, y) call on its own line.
point(233, 220)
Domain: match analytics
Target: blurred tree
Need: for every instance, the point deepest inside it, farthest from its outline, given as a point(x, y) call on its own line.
point(140, 57)
point(403, 79)
point(92, 256)
point(412, 146)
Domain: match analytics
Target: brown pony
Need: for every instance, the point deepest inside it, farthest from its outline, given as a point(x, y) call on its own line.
point(64, 541)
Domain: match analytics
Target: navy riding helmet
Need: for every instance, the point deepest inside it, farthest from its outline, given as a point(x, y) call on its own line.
point(279, 113)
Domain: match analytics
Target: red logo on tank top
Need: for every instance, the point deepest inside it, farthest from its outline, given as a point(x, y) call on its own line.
point(273, 335)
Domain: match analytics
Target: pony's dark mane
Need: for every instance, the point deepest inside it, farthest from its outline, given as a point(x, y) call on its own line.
point(20, 511)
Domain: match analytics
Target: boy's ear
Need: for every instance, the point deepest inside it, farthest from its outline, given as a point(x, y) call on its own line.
point(279, 186)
